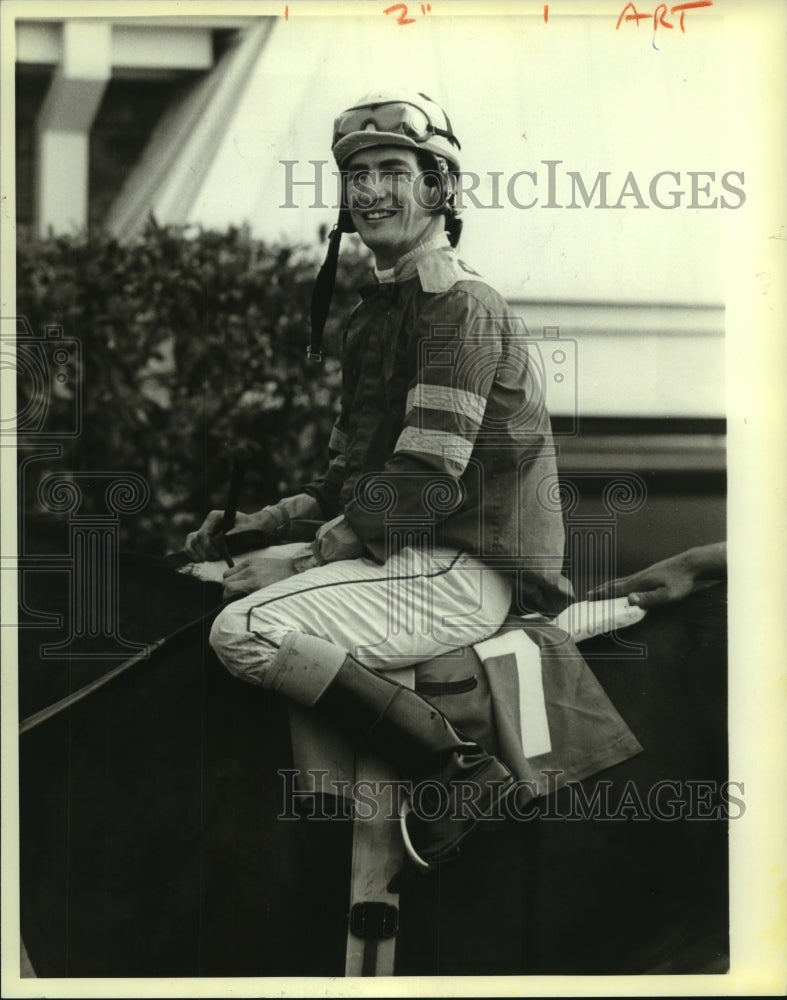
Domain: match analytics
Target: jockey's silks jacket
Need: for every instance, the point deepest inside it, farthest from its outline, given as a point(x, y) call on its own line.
point(442, 430)
point(442, 435)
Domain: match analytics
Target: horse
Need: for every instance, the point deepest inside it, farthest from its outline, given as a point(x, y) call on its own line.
point(153, 841)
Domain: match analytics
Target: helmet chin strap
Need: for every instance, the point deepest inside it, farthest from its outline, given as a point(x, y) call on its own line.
point(322, 292)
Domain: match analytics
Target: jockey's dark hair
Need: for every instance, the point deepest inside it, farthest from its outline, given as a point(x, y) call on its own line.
point(433, 177)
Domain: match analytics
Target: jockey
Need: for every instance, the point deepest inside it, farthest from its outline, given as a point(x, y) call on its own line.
point(432, 523)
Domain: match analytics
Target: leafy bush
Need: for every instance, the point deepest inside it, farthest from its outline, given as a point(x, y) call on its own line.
point(191, 342)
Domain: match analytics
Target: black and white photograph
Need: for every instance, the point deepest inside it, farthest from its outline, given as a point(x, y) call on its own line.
point(312, 312)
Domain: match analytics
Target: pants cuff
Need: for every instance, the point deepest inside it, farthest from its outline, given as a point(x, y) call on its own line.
point(304, 667)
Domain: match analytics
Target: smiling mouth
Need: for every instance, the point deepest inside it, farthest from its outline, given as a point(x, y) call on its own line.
point(375, 215)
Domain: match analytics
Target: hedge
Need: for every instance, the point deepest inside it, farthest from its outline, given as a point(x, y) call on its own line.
point(191, 341)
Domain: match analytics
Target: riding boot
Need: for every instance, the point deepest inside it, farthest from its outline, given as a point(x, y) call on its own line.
point(455, 782)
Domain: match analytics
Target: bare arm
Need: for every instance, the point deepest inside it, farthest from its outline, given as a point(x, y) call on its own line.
point(669, 580)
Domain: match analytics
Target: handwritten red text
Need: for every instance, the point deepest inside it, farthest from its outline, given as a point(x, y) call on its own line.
point(661, 13)
point(403, 12)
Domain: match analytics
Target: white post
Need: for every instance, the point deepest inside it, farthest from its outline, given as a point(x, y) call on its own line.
point(63, 126)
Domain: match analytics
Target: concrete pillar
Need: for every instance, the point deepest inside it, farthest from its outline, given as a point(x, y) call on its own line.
point(63, 126)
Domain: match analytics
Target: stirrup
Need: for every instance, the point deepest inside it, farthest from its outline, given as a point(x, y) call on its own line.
point(408, 844)
point(413, 868)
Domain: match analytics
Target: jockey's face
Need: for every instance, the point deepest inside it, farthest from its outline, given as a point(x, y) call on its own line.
point(392, 206)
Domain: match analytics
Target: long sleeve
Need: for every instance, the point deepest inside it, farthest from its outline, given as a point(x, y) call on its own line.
point(327, 487)
point(455, 349)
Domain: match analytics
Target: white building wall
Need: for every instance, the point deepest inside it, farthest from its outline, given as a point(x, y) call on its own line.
point(521, 92)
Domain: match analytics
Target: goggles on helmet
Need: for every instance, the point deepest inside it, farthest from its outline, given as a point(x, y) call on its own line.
point(399, 118)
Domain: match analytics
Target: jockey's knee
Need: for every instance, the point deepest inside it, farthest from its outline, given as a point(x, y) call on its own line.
point(247, 655)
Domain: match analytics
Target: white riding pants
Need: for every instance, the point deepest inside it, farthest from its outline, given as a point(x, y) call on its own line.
point(414, 607)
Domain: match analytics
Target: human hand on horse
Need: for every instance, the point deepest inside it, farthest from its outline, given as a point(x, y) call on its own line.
point(261, 569)
point(669, 580)
point(335, 540)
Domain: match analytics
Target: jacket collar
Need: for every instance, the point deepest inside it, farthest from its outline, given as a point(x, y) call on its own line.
point(434, 262)
point(407, 265)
